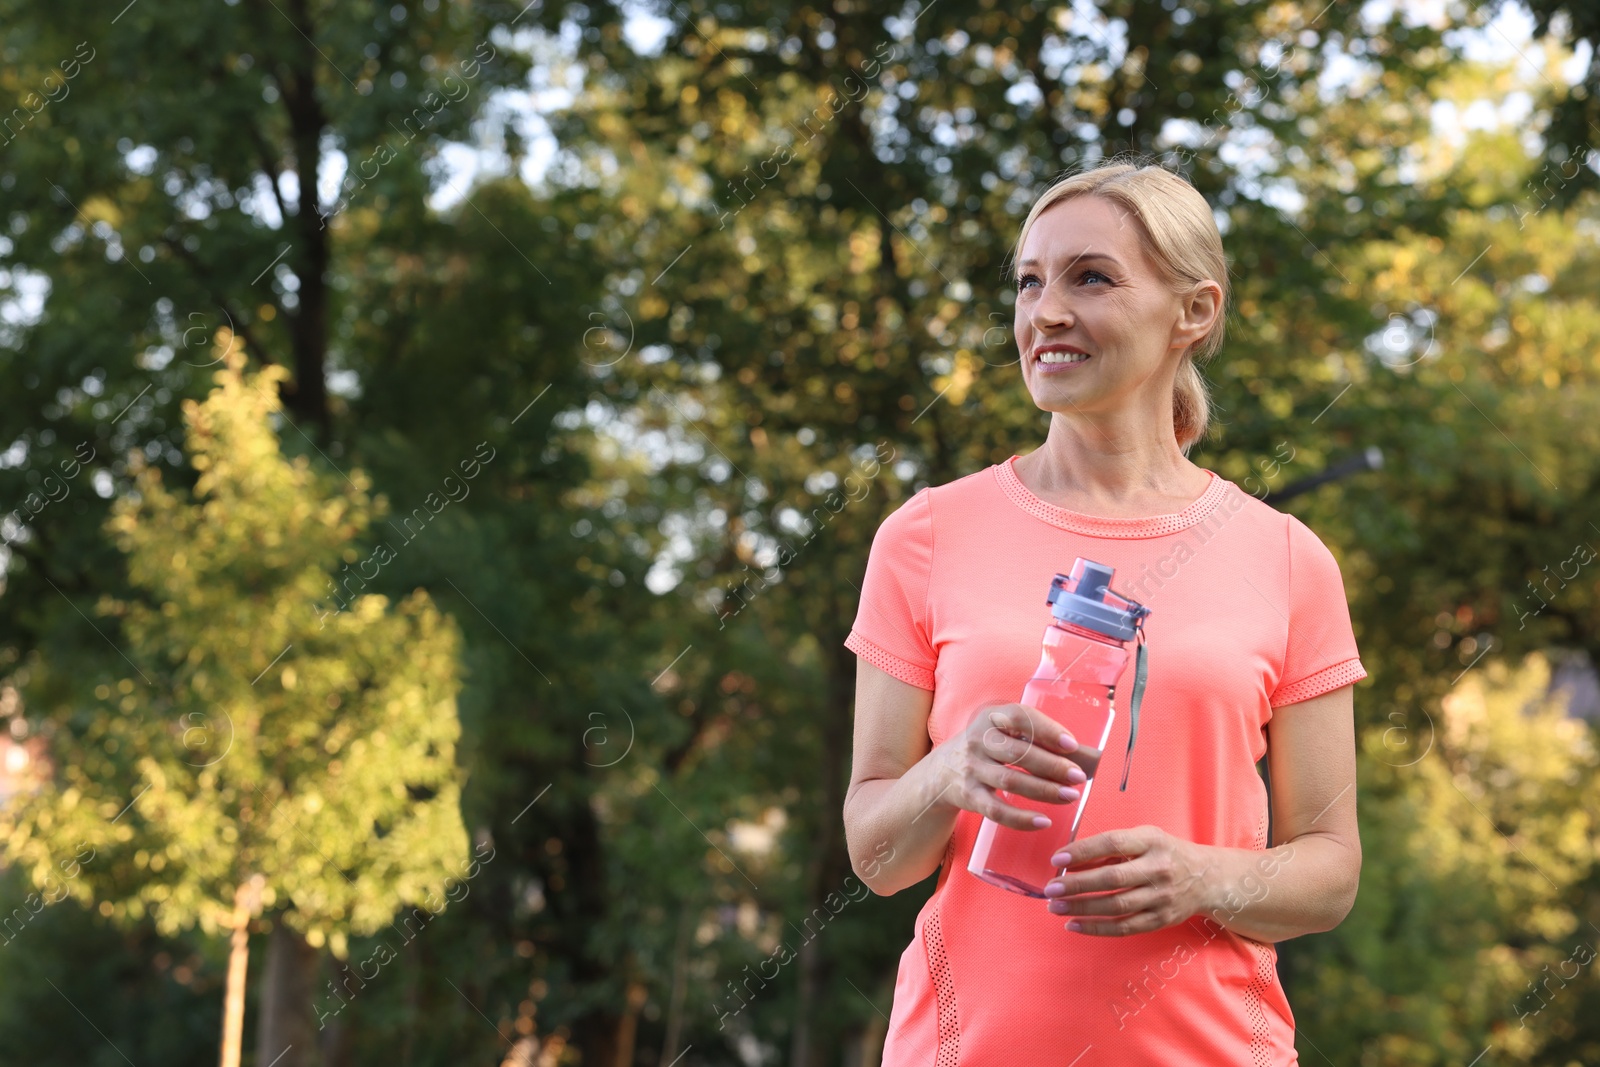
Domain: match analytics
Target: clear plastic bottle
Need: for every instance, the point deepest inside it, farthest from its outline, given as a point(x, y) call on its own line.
point(1086, 647)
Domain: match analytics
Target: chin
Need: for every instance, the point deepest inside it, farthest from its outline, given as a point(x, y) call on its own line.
point(1063, 399)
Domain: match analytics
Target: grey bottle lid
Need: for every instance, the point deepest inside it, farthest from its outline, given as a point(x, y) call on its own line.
point(1084, 598)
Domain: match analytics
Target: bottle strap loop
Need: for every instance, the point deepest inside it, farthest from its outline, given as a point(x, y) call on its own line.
point(1140, 669)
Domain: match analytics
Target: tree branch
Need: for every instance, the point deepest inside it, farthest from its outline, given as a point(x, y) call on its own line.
point(270, 167)
point(236, 320)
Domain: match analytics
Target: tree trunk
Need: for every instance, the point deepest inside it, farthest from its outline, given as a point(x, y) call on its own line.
point(628, 1028)
point(877, 1029)
point(680, 986)
point(805, 995)
point(286, 1033)
point(524, 1053)
point(245, 901)
point(307, 395)
point(335, 1045)
point(580, 907)
point(830, 860)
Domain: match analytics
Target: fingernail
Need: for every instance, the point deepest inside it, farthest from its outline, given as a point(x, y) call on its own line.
point(1053, 888)
point(1075, 774)
point(1068, 742)
point(1041, 821)
point(1057, 907)
point(1061, 859)
point(1068, 793)
point(1075, 926)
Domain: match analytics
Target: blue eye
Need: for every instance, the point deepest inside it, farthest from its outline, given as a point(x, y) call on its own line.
point(1033, 279)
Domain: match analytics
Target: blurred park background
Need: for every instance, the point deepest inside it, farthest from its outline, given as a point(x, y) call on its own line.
point(440, 443)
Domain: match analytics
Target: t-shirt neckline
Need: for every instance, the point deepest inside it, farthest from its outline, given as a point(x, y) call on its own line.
point(1102, 526)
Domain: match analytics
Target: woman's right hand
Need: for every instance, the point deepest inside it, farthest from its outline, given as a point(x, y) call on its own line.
point(987, 755)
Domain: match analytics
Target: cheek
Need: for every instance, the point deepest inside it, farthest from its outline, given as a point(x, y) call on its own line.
point(1114, 322)
point(1136, 315)
point(1023, 337)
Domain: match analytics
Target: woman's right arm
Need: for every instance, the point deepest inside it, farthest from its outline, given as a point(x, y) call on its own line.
point(903, 798)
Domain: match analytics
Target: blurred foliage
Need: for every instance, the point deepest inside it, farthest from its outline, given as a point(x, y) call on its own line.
point(1477, 837)
point(159, 998)
point(763, 268)
point(256, 722)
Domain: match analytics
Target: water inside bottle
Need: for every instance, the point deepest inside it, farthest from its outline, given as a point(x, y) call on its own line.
point(1020, 860)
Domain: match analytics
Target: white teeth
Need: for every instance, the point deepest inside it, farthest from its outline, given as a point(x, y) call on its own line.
point(1062, 357)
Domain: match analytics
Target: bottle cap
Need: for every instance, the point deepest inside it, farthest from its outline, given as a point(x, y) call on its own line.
point(1084, 598)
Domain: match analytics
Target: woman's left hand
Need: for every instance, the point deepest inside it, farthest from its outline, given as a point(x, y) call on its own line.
point(1149, 880)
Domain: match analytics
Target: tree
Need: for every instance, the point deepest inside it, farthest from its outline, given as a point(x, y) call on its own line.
point(1471, 923)
point(770, 245)
point(275, 732)
point(807, 250)
point(273, 173)
point(212, 209)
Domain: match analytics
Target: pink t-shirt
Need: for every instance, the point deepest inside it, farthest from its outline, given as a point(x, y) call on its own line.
point(1248, 614)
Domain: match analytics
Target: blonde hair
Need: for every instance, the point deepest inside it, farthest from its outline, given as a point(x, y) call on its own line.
point(1180, 236)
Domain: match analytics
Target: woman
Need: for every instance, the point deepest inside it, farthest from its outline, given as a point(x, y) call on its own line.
point(1172, 894)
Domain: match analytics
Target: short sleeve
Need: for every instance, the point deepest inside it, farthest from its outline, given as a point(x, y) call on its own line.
point(1320, 655)
point(891, 630)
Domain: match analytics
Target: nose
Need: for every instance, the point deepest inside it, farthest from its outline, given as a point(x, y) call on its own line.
point(1051, 309)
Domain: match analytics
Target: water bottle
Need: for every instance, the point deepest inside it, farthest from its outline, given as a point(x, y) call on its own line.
point(1085, 650)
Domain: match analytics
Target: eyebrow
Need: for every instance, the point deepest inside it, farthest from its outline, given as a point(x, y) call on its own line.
point(1079, 259)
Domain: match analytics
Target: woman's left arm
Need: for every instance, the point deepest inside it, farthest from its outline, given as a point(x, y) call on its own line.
point(1305, 885)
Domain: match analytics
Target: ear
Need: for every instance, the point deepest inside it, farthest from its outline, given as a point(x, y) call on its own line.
point(1197, 313)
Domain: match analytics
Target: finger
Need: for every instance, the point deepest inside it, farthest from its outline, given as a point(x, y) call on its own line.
point(1076, 767)
point(1034, 726)
point(1142, 923)
point(984, 802)
point(1004, 750)
point(1128, 843)
point(1003, 740)
point(1132, 902)
point(1055, 739)
point(1008, 741)
point(1021, 783)
point(1110, 878)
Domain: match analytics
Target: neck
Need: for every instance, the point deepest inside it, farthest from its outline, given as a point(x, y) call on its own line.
point(1113, 464)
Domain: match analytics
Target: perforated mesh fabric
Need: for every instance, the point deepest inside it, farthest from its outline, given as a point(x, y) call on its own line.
point(945, 989)
point(1255, 1014)
point(1324, 681)
point(888, 662)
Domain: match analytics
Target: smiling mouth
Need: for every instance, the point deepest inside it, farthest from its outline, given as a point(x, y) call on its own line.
point(1058, 357)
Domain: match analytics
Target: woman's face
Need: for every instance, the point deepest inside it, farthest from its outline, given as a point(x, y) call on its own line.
point(1097, 328)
